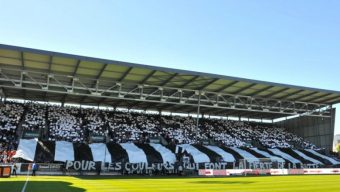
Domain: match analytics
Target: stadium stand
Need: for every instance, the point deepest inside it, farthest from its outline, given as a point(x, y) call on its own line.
point(74, 124)
point(72, 127)
point(53, 134)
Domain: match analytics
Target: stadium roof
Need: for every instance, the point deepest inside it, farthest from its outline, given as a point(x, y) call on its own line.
point(50, 76)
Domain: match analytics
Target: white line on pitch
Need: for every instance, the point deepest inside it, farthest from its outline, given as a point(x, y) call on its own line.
point(27, 178)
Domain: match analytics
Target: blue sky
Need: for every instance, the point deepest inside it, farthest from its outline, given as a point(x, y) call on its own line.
point(286, 41)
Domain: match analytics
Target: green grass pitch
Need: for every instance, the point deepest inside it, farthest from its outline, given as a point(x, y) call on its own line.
point(319, 183)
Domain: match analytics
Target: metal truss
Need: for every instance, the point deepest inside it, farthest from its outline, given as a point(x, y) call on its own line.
point(58, 83)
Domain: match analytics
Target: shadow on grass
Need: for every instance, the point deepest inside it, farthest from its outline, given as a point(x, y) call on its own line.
point(38, 186)
point(222, 182)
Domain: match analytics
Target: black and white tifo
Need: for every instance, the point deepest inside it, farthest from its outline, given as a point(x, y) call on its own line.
point(62, 151)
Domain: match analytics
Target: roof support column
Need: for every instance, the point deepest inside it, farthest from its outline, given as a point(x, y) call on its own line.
point(198, 113)
point(332, 119)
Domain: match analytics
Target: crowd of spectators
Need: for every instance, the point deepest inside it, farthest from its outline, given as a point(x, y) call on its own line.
point(129, 127)
point(65, 124)
point(7, 151)
point(95, 121)
point(35, 117)
point(10, 116)
point(79, 124)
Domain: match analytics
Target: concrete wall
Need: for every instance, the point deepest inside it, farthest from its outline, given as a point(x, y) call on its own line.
point(317, 130)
